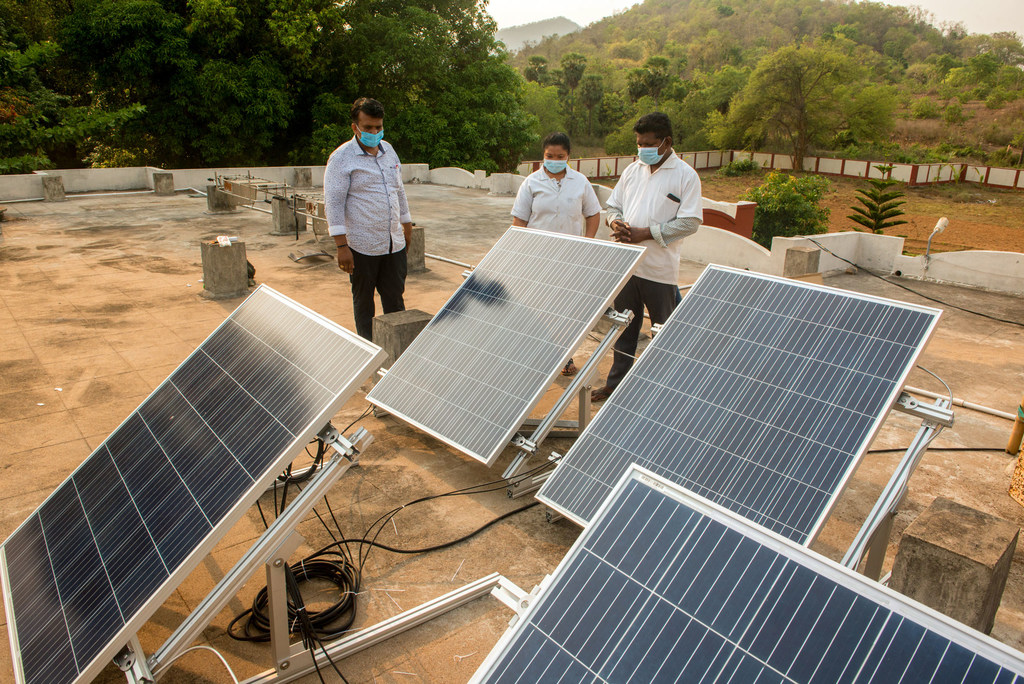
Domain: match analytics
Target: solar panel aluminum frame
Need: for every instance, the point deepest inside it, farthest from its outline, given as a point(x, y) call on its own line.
point(931, 619)
point(490, 458)
point(869, 435)
point(132, 625)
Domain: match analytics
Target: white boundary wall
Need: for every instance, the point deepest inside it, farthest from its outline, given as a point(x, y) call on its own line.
point(996, 271)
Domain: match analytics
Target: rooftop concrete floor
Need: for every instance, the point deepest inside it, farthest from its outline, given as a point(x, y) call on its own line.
point(100, 300)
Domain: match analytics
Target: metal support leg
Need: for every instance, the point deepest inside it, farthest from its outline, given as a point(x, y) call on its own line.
point(580, 385)
point(876, 528)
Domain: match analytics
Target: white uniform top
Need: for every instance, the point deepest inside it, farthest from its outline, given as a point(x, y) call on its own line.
point(642, 197)
point(559, 206)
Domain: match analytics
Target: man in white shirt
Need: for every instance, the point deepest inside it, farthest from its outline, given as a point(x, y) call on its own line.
point(368, 215)
point(656, 203)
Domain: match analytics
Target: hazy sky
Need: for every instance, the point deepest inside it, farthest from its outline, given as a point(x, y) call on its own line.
point(979, 16)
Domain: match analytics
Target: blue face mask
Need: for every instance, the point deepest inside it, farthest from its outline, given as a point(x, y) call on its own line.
point(555, 165)
point(371, 139)
point(649, 155)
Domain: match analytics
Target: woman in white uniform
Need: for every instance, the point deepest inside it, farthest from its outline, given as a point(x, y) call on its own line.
point(558, 199)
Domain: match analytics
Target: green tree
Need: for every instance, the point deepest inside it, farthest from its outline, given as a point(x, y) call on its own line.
point(537, 70)
point(787, 206)
point(543, 104)
point(573, 65)
point(790, 100)
point(41, 128)
point(591, 96)
point(880, 202)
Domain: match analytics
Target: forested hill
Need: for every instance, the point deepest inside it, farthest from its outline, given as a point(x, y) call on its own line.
point(712, 33)
point(890, 82)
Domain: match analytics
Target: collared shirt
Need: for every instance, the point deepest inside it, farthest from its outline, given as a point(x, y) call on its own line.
point(641, 197)
point(559, 206)
point(364, 198)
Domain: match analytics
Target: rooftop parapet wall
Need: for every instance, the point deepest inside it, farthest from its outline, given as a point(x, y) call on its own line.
point(882, 254)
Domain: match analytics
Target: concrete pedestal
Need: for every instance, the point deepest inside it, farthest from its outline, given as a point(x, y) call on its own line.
point(218, 202)
point(163, 183)
point(53, 189)
point(416, 261)
point(801, 261)
point(285, 220)
point(394, 332)
point(303, 177)
point(956, 560)
point(224, 270)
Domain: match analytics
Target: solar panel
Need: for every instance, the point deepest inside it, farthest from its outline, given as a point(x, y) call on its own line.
point(759, 393)
point(664, 586)
point(104, 551)
point(483, 362)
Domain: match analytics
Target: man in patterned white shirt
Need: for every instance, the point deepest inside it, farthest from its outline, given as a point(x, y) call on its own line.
point(368, 215)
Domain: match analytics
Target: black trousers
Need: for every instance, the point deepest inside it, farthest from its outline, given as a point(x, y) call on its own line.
point(384, 274)
point(659, 298)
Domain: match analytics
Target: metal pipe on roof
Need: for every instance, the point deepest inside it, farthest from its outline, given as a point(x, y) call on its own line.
point(110, 194)
point(448, 261)
point(965, 404)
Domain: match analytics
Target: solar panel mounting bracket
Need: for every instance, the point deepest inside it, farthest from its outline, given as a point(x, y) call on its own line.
point(935, 413)
point(132, 662)
point(520, 484)
point(347, 448)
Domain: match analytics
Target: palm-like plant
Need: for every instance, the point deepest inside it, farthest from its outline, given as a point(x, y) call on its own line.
point(881, 202)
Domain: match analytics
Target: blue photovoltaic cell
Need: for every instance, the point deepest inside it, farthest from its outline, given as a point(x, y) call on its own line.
point(662, 587)
point(759, 393)
point(483, 362)
point(90, 561)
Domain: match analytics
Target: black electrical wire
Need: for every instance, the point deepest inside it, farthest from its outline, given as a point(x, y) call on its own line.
point(919, 294)
point(334, 563)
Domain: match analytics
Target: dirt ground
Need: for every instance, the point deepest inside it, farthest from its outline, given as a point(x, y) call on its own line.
point(979, 217)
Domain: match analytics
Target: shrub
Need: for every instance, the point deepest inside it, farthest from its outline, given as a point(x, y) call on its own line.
point(739, 167)
point(954, 113)
point(998, 98)
point(788, 206)
point(925, 108)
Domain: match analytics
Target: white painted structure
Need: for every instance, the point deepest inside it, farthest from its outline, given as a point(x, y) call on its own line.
point(997, 271)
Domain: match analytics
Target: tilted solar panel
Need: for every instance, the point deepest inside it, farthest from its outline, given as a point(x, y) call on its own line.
point(104, 551)
point(664, 586)
point(483, 362)
point(759, 393)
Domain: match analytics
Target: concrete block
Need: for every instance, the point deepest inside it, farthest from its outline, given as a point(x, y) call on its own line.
point(480, 180)
point(505, 184)
point(801, 261)
point(53, 189)
point(218, 202)
point(303, 177)
point(224, 270)
point(416, 261)
point(394, 332)
point(285, 220)
point(956, 560)
point(163, 183)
